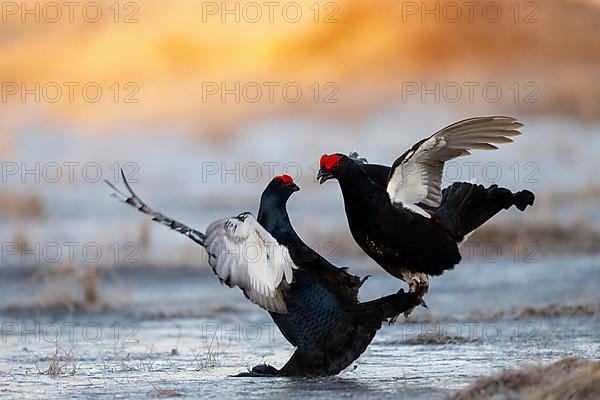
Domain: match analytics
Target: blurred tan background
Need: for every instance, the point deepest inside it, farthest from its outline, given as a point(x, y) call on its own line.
point(186, 83)
point(369, 49)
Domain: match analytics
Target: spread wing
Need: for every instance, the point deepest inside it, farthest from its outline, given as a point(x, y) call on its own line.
point(416, 177)
point(242, 253)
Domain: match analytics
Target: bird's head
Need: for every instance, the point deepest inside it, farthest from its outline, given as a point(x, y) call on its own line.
point(282, 186)
point(332, 166)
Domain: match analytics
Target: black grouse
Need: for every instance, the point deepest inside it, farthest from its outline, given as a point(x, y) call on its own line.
point(313, 303)
point(401, 217)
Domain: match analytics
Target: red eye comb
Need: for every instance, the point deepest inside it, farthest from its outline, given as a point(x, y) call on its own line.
point(284, 178)
point(329, 161)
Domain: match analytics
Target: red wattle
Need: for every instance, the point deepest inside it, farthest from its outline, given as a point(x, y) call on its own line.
point(329, 161)
point(284, 178)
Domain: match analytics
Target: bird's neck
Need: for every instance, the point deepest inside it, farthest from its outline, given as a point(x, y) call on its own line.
point(358, 189)
point(273, 216)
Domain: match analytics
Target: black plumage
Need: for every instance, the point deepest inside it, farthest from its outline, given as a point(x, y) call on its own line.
point(324, 319)
point(395, 238)
point(400, 216)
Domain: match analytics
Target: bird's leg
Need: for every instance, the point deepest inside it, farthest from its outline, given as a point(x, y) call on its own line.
point(418, 282)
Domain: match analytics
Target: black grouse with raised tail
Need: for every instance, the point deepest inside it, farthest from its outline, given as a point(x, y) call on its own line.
point(401, 217)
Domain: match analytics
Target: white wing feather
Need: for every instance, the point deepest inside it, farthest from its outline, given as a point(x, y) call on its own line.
point(416, 177)
point(242, 253)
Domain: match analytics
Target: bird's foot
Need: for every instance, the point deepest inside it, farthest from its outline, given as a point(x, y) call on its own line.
point(260, 370)
point(422, 303)
point(409, 298)
point(419, 284)
point(408, 312)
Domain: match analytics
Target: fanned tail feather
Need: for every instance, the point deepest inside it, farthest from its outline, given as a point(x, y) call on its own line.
point(466, 206)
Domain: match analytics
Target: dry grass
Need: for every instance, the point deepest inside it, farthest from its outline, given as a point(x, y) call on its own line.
point(569, 378)
point(549, 238)
point(438, 339)
point(90, 282)
point(68, 287)
point(62, 362)
point(548, 311)
point(210, 359)
point(515, 313)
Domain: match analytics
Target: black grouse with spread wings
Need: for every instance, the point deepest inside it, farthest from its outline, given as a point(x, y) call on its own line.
point(402, 218)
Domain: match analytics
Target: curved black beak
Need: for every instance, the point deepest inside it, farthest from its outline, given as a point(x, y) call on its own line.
point(295, 187)
point(324, 175)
